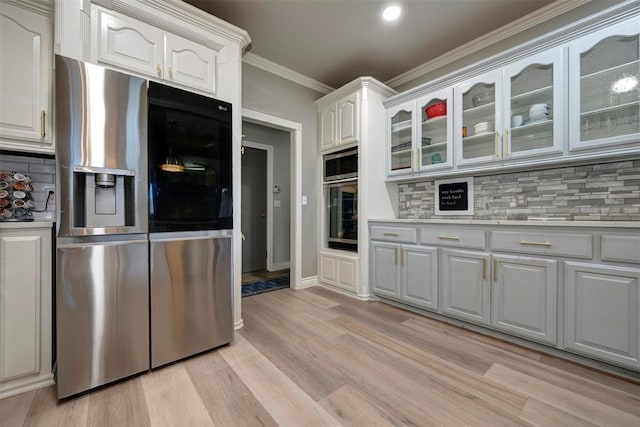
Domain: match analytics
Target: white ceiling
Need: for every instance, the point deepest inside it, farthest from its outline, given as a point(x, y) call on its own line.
point(335, 41)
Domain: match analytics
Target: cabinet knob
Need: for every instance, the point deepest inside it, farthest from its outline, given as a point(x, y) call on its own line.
point(158, 70)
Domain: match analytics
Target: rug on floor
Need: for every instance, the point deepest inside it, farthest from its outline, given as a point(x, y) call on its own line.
point(254, 288)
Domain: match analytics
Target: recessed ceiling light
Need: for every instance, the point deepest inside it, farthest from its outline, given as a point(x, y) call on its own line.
point(391, 13)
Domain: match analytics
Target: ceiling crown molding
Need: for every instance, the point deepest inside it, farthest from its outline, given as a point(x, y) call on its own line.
point(42, 7)
point(285, 73)
point(537, 17)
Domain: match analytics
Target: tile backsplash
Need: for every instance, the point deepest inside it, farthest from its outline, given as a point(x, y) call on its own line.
point(598, 192)
point(42, 172)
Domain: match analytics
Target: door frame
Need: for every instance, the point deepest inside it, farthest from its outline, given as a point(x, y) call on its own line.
point(295, 232)
point(269, 190)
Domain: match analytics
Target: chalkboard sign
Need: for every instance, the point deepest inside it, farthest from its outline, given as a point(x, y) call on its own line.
point(454, 197)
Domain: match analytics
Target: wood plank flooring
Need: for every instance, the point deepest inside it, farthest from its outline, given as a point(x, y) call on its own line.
point(316, 358)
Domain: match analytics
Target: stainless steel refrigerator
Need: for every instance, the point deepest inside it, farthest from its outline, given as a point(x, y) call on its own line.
point(102, 275)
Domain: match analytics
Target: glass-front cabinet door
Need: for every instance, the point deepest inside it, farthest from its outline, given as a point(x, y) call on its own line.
point(478, 110)
point(605, 92)
point(533, 107)
point(401, 149)
point(434, 135)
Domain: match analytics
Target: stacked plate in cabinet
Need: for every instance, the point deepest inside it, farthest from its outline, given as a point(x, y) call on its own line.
point(16, 203)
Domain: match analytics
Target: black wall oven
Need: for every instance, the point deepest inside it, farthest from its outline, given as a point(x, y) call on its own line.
point(341, 165)
point(190, 171)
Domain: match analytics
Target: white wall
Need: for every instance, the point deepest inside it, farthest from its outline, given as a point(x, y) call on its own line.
point(280, 141)
point(270, 94)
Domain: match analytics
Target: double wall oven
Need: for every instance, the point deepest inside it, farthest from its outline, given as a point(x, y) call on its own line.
point(341, 196)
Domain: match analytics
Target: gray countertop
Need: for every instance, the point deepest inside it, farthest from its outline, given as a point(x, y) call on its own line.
point(539, 223)
point(26, 224)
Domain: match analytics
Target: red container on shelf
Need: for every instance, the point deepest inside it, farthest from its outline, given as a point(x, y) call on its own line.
point(436, 110)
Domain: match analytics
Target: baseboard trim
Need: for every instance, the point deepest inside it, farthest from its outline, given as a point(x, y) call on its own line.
point(22, 386)
point(238, 325)
point(347, 293)
point(305, 282)
point(276, 266)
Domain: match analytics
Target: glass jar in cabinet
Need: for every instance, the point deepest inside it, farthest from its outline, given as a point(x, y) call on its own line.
point(400, 140)
point(604, 72)
point(434, 134)
point(533, 106)
point(478, 118)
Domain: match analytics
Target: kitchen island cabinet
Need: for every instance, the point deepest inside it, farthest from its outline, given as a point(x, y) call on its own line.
point(25, 307)
point(571, 286)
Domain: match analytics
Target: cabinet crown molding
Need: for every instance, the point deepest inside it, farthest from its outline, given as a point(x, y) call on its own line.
point(559, 37)
point(42, 7)
point(359, 83)
point(179, 12)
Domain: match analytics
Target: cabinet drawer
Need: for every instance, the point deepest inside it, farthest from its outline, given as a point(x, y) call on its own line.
point(620, 248)
point(544, 243)
point(393, 234)
point(455, 237)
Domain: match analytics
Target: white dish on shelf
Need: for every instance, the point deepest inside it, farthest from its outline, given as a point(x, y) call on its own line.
point(535, 122)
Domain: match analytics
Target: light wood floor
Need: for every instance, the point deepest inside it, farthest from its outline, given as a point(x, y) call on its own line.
point(315, 358)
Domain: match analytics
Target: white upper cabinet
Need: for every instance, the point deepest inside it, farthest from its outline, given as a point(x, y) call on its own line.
point(129, 44)
point(26, 52)
point(340, 123)
point(400, 139)
point(434, 131)
point(420, 136)
point(189, 64)
point(328, 126)
point(133, 45)
point(605, 92)
point(516, 111)
point(478, 116)
point(533, 105)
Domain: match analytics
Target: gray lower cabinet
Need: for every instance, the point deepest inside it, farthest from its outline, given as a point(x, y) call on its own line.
point(466, 288)
point(601, 312)
point(419, 276)
point(524, 296)
point(407, 273)
point(384, 268)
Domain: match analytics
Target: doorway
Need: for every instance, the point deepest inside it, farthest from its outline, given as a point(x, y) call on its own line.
point(254, 208)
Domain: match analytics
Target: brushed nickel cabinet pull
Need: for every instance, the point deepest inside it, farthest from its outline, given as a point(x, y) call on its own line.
point(495, 270)
point(43, 132)
point(158, 70)
point(395, 256)
point(443, 237)
point(524, 242)
point(484, 268)
point(389, 233)
point(505, 143)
